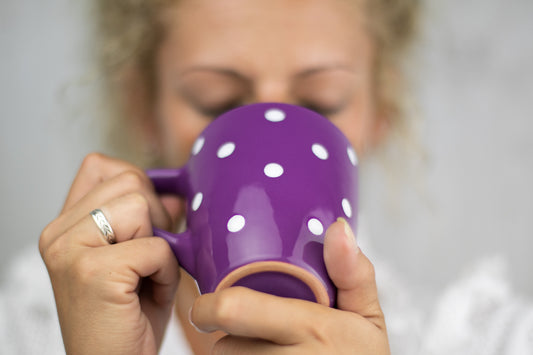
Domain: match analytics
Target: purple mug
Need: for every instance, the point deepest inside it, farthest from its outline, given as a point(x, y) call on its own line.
point(262, 184)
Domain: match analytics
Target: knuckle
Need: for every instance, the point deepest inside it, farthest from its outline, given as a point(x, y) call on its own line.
point(159, 245)
point(137, 203)
point(320, 331)
point(92, 160)
point(225, 345)
point(84, 268)
point(52, 253)
point(133, 180)
point(369, 271)
point(226, 307)
point(46, 237)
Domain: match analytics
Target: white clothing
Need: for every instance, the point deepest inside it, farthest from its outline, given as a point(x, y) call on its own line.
point(478, 314)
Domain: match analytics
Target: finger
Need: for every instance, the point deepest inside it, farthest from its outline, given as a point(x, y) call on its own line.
point(94, 284)
point(127, 262)
point(95, 169)
point(175, 206)
point(150, 258)
point(243, 312)
point(242, 345)
point(125, 183)
point(352, 273)
point(123, 265)
point(128, 216)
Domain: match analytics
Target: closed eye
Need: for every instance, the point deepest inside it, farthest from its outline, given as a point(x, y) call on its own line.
point(216, 110)
point(326, 111)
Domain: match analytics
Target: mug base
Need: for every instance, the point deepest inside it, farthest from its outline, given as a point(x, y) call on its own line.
point(279, 279)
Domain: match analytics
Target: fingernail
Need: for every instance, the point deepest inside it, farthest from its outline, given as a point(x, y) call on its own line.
point(192, 323)
point(349, 233)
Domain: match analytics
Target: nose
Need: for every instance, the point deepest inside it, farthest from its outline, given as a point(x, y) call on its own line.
point(273, 91)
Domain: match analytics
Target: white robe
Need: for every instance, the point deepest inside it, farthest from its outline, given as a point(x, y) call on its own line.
point(477, 314)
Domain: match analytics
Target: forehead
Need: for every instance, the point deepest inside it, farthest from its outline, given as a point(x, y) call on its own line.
point(273, 32)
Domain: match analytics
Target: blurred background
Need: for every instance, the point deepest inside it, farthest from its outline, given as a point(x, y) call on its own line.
point(473, 87)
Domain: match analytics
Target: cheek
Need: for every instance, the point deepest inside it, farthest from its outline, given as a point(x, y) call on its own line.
point(179, 127)
point(358, 123)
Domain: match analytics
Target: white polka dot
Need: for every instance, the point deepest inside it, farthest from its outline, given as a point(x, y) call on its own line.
point(320, 151)
point(275, 115)
point(197, 201)
point(198, 145)
point(236, 223)
point(352, 156)
point(315, 226)
point(226, 150)
point(347, 208)
point(273, 170)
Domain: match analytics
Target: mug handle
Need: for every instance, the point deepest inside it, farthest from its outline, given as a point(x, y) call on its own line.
point(174, 181)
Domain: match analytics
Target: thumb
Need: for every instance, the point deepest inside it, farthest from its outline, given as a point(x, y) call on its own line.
point(175, 207)
point(352, 273)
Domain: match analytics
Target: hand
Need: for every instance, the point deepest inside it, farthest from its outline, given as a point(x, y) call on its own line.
point(259, 323)
point(112, 299)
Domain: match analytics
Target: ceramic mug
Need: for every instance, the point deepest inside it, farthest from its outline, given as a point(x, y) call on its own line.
point(262, 185)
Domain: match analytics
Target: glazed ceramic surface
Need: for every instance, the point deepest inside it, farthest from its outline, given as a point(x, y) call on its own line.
point(262, 185)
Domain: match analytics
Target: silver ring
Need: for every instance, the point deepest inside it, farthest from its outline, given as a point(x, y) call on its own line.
point(103, 225)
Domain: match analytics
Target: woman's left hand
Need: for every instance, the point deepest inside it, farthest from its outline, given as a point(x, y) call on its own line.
point(260, 323)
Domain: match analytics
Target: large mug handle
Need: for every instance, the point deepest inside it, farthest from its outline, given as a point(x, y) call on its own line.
point(174, 181)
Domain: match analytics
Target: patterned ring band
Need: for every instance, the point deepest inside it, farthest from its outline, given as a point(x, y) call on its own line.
point(103, 225)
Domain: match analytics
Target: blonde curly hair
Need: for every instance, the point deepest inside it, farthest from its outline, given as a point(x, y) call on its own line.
point(130, 31)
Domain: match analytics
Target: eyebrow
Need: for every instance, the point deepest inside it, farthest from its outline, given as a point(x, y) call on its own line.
point(219, 70)
point(237, 75)
point(315, 70)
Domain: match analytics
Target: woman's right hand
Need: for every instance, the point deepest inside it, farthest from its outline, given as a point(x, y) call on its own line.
point(112, 298)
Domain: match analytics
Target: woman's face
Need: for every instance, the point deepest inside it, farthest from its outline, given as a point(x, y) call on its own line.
point(221, 54)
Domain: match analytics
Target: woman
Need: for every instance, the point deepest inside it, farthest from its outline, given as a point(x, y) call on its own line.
point(174, 66)
point(199, 59)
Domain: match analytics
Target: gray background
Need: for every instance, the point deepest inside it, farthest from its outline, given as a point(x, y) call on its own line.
point(474, 87)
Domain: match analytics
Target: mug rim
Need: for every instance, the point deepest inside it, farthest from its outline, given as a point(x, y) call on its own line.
point(257, 267)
